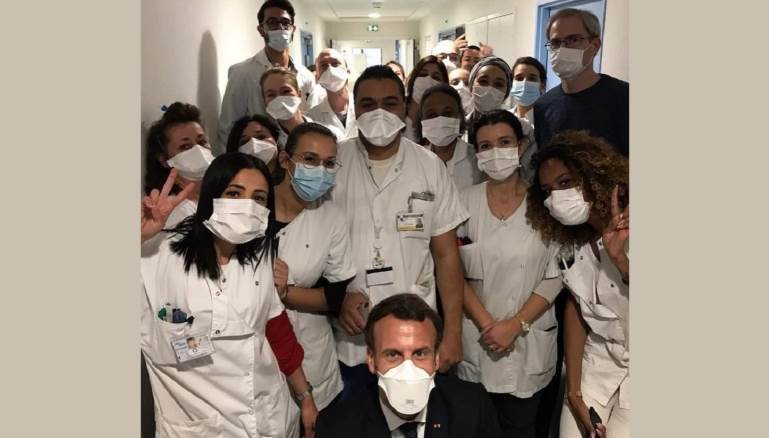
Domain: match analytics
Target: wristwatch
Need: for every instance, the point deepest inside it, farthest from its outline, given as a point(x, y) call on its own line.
point(525, 325)
point(305, 394)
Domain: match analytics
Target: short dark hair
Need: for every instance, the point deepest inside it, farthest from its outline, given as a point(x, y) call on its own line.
point(293, 139)
point(157, 141)
point(494, 117)
point(282, 4)
point(303, 129)
point(379, 72)
point(534, 62)
point(438, 89)
point(233, 141)
point(406, 307)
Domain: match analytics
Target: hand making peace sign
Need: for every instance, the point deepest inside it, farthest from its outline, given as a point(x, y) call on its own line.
point(158, 206)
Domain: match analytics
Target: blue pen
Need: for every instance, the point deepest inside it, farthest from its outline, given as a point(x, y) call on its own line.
point(179, 316)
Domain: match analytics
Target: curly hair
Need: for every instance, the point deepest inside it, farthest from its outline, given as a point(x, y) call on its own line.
point(596, 168)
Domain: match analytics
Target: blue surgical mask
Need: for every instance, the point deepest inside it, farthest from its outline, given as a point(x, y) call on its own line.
point(525, 92)
point(310, 183)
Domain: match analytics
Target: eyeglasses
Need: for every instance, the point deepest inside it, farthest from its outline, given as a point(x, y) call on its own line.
point(275, 24)
point(312, 161)
point(568, 42)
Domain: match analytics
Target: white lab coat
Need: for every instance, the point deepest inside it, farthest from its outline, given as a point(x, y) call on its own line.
point(527, 125)
point(238, 391)
point(463, 166)
point(316, 244)
point(604, 301)
point(243, 95)
point(410, 132)
point(184, 209)
point(505, 263)
point(283, 135)
point(414, 169)
point(323, 113)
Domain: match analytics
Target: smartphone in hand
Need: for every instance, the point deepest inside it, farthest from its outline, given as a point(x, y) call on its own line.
point(594, 417)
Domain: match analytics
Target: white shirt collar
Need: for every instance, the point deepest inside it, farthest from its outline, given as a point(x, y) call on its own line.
point(394, 421)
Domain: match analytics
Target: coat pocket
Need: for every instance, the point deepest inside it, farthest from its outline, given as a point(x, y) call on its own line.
point(425, 222)
point(160, 349)
point(541, 351)
point(209, 427)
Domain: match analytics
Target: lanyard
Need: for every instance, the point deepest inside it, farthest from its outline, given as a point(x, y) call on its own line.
point(378, 261)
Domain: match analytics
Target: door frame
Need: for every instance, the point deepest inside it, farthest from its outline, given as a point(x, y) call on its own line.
point(304, 35)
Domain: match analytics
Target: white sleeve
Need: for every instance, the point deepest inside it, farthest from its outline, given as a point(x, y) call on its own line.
point(234, 103)
point(553, 270)
point(339, 265)
point(271, 300)
point(449, 211)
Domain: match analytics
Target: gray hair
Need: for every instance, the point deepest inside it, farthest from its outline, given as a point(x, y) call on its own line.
point(589, 21)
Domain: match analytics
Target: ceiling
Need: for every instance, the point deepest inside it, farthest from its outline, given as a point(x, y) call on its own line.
point(357, 10)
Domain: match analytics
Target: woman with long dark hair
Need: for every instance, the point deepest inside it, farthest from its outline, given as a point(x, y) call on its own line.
point(428, 73)
point(216, 339)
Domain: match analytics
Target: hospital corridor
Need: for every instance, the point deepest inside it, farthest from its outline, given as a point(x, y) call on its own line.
point(395, 218)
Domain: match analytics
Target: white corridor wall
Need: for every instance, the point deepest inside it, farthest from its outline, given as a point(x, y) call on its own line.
point(188, 45)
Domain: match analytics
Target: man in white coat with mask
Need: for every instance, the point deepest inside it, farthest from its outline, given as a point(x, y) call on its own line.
point(331, 99)
point(403, 211)
point(243, 96)
point(403, 335)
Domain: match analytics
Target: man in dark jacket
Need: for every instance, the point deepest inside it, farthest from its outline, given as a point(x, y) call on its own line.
point(403, 334)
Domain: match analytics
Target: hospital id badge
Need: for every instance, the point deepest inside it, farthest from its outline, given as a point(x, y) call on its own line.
point(410, 221)
point(379, 276)
point(192, 347)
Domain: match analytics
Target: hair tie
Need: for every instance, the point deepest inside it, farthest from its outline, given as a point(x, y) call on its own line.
point(163, 108)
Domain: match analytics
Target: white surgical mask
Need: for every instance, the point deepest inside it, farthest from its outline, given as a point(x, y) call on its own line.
point(333, 79)
point(498, 163)
point(279, 39)
point(260, 149)
point(407, 387)
point(192, 163)
point(487, 99)
point(567, 62)
point(441, 131)
point(422, 84)
point(283, 107)
point(237, 220)
point(380, 126)
point(450, 66)
point(465, 95)
point(568, 206)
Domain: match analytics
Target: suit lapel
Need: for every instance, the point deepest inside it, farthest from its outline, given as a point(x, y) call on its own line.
point(376, 425)
point(437, 425)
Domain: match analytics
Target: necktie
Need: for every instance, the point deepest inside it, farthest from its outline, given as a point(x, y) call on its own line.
point(409, 429)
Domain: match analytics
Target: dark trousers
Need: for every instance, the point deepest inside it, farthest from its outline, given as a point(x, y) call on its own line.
point(355, 380)
point(147, 403)
point(552, 397)
point(517, 416)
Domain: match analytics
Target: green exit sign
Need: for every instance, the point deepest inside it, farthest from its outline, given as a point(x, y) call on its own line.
point(373, 28)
